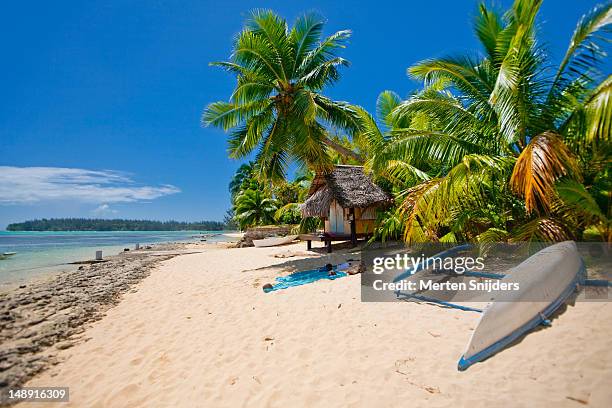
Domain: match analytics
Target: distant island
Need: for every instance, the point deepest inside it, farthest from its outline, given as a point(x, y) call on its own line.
point(87, 224)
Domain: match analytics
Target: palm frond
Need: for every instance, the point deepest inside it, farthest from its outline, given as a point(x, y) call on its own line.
point(402, 173)
point(516, 88)
point(244, 139)
point(488, 24)
point(305, 33)
point(228, 115)
point(323, 52)
point(590, 121)
point(326, 73)
point(585, 49)
point(444, 112)
point(542, 229)
point(464, 73)
point(272, 158)
point(273, 31)
point(337, 113)
point(309, 145)
point(412, 209)
point(575, 196)
point(258, 54)
point(386, 102)
point(544, 160)
point(492, 236)
point(249, 90)
point(421, 147)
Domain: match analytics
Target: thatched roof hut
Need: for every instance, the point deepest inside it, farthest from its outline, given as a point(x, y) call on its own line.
point(349, 186)
point(346, 198)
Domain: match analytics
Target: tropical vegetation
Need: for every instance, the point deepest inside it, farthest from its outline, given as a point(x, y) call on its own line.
point(88, 224)
point(497, 145)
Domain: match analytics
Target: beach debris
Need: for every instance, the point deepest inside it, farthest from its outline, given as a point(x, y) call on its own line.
point(267, 287)
point(580, 401)
point(432, 334)
point(268, 338)
point(339, 305)
point(257, 380)
point(356, 268)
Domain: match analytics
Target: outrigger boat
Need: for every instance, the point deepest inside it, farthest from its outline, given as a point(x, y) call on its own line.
point(5, 255)
point(547, 279)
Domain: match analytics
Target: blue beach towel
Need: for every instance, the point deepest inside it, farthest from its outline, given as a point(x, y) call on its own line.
point(305, 277)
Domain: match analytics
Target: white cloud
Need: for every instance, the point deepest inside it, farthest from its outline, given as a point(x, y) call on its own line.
point(22, 185)
point(104, 209)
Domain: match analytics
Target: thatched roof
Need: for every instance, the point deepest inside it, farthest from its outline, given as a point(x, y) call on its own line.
point(349, 186)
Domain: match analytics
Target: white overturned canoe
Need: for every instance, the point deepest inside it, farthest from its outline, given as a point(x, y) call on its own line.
point(546, 280)
point(274, 241)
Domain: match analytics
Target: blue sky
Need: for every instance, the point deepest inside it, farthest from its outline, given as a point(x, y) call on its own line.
point(101, 105)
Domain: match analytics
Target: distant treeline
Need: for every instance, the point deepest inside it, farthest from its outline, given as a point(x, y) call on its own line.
point(87, 224)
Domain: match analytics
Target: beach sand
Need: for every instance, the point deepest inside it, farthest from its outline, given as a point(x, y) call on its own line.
point(200, 332)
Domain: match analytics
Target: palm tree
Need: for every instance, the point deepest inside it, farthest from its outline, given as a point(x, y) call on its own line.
point(253, 207)
point(245, 173)
point(491, 128)
point(277, 107)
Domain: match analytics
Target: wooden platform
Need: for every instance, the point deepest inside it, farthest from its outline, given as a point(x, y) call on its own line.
point(328, 239)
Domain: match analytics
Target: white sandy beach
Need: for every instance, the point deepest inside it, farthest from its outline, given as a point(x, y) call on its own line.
point(200, 332)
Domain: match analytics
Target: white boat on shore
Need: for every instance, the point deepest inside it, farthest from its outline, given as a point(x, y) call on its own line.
point(274, 241)
point(547, 279)
point(6, 255)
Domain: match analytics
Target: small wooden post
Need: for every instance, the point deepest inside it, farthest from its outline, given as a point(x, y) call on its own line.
point(98, 255)
point(329, 246)
point(353, 227)
point(308, 245)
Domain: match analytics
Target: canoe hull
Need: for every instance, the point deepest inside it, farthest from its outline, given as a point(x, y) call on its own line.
point(551, 276)
point(275, 241)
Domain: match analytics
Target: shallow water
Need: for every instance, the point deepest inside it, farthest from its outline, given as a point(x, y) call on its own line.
point(43, 252)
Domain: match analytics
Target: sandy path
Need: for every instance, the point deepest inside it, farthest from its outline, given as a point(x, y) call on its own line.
point(198, 333)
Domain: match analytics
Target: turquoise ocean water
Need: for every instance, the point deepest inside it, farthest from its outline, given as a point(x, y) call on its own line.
point(40, 253)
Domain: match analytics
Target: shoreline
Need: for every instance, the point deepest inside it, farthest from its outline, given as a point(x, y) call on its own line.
point(49, 313)
point(48, 272)
point(82, 254)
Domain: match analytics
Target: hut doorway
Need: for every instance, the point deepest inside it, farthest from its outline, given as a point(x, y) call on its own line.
point(336, 218)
